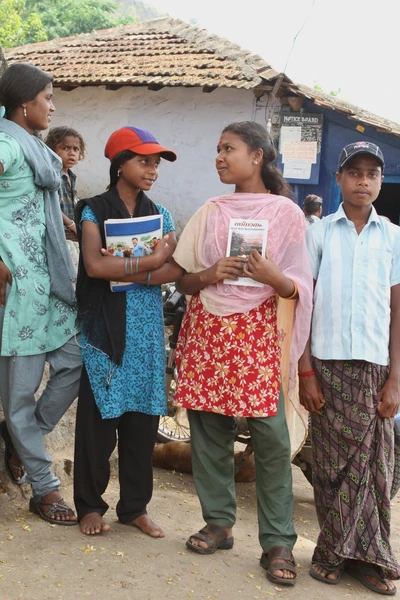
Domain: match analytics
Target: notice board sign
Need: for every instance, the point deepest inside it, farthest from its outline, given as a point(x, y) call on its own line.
point(300, 147)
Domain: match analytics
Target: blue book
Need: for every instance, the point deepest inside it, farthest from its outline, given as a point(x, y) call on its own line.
point(127, 238)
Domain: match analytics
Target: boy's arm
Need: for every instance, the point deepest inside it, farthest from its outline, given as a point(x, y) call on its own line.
point(310, 392)
point(71, 233)
point(389, 396)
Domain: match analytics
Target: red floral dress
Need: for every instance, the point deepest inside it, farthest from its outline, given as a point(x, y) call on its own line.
point(229, 365)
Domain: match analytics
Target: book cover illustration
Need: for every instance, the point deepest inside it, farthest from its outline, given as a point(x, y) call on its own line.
point(127, 238)
point(245, 235)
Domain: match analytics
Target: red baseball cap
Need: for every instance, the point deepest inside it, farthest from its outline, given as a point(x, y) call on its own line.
point(137, 140)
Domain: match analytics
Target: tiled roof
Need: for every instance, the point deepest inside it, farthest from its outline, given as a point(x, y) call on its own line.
point(159, 52)
point(168, 52)
point(355, 113)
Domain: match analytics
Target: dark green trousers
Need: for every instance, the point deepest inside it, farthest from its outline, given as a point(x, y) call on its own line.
point(212, 446)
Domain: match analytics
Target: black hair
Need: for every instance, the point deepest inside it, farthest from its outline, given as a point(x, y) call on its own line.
point(21, 82)
point(117, 162)
point(312, 204)
point(256, 136)
point(57, 135)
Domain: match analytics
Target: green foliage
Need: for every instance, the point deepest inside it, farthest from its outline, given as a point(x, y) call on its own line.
point(63, 18)
point(334, 93)
point(16, 28)
point(26, 21)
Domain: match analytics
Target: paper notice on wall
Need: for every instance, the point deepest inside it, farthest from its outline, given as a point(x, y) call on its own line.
point(297, 169)
point(295, 150)
point(289, 134)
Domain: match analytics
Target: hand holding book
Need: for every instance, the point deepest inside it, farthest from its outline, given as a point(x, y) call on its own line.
point(264, 270)
point(230, 267)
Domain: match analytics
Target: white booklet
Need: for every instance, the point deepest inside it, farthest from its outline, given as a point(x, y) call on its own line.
point(244, 236)
point(132, 238)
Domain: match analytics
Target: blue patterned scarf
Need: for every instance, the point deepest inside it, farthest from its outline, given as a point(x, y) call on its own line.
point(46, 167)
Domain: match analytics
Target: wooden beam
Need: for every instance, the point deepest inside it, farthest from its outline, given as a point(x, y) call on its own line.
point(155, 87)
point(207, 89)
point(113, 87)
point(295, 102)
point(68, 88)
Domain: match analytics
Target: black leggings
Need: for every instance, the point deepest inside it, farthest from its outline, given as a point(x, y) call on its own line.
point(95, 440)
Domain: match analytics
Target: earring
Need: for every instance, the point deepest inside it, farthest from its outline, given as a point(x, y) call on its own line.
point(255, 162)
point(119, 172)
point(25, 111)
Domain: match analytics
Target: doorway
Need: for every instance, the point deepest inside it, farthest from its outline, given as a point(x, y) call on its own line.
point(388, 202)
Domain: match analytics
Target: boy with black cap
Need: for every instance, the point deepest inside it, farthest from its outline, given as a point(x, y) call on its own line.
point(350, 376)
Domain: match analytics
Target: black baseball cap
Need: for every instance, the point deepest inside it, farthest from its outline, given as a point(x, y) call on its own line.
point(352, 150)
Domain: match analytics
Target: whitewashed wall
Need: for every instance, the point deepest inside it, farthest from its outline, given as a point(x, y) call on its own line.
point(184, 119)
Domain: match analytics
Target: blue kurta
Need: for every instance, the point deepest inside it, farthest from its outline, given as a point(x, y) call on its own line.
point(138, 384)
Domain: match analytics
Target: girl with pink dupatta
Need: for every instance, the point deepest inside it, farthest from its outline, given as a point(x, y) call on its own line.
point(229, 354)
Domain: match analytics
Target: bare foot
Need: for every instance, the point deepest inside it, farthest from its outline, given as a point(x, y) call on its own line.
point(196, 542)
point(331, 575)
point(46, 502)
point(93, 524)
point(145, 524)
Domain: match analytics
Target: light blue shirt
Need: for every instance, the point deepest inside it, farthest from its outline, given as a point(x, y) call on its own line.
point(354, 274)
point(138, 250)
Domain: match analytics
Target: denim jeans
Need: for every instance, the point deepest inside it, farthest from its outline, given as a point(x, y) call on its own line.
point(27, 420)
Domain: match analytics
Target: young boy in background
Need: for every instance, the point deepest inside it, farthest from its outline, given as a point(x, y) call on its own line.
point(350, 377)
point(70, 147)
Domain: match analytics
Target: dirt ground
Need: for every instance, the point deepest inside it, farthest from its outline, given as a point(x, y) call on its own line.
point(39, 561)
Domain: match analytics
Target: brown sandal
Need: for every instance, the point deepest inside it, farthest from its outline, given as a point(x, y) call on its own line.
point(284, 561)
point(215, 538)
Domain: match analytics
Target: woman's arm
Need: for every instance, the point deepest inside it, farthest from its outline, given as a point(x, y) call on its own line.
point(112, 268)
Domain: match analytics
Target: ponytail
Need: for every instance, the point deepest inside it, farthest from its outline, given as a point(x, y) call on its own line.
point(116, 163)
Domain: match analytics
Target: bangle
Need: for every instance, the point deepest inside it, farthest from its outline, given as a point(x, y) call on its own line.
point(70, 225)
point(296, 290)
point(126, 266)
point(130, 266)
point(148, 278)
point(137, 265)
point(306, 374)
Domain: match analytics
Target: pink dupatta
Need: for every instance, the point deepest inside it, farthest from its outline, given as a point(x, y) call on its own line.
point(204, 241)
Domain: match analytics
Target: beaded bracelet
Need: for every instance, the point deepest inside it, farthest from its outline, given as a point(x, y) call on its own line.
point(148, 278)
point(306, 374)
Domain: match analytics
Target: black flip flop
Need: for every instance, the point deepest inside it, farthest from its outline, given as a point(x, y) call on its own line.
point(9, 449)
point(324, 578)
point(359, 572)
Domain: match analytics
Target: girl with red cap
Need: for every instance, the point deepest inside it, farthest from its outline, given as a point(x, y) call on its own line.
point(122, 389)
